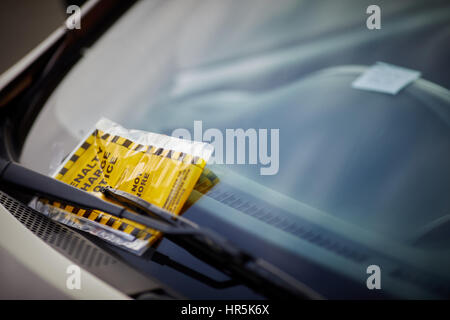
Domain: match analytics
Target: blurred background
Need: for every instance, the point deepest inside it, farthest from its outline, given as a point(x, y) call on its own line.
point(21, 30)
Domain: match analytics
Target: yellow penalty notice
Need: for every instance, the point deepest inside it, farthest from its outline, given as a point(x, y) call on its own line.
point(160, 169)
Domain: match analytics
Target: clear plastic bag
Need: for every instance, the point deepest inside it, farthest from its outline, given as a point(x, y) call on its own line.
point(160, 169)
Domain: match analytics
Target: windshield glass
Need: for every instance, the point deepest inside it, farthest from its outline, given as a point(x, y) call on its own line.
point(341, 177)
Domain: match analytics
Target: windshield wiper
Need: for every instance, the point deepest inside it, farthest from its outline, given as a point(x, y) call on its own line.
point(203, 243)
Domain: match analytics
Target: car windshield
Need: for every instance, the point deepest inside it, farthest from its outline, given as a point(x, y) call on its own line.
point(340, 177)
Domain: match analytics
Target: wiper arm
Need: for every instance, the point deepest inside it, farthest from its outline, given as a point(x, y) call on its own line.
point(59, 191)
point(205, 244)
point(153, 255)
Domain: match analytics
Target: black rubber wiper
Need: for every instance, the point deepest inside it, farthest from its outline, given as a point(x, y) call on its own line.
point(203, 243)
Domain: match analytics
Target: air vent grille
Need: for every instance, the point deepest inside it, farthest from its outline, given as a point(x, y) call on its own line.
point(283, 223)
point(60, 237)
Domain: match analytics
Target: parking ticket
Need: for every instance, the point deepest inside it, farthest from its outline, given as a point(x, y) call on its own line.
point(160, 169)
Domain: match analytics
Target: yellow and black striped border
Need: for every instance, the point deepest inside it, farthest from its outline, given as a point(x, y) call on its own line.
point(106, 220)
point(130, 145)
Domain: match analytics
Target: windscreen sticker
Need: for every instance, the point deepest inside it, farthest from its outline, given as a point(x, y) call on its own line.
point(386, 78)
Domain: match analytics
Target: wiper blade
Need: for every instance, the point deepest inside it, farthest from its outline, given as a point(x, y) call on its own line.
point(203, 243)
